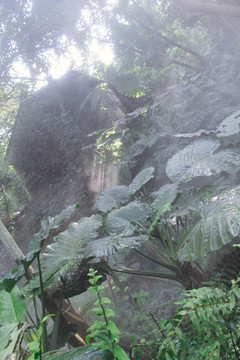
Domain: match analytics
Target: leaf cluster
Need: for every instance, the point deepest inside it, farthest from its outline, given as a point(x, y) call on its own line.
point(105, 331)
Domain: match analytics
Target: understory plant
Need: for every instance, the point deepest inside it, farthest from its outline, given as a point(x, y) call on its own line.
point(105, 331)
point(176, 228)
point(206, 326)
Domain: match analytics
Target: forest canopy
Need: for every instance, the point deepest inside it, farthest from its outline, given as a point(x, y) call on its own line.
point(143, 43)
point(146, 37)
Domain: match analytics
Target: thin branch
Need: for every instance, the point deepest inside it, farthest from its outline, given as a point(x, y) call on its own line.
point(161, 263)
point(168, 40)
point(209, 8)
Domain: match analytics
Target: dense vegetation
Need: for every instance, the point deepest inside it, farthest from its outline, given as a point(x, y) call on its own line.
point(195, 212)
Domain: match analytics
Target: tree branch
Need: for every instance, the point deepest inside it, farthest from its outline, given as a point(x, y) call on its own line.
point(169, 41)
point(209, 9)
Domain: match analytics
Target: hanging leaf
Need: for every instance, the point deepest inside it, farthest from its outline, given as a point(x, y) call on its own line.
point(142, 178)
point(66, 251)
point(166, 195)
point(125, 220)
point(47, 225)
point(12, 278)
point(32, 287)
point(112, 197)
point(196, 133)
point(219, 223)
point(12, 307)
point(198, 159)
point(9, 335)
point(109, 245)
point(5, 334)
point(230, 125)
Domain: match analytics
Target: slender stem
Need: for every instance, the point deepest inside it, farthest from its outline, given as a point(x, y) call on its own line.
point(149, 273)
point(36, 312)
point(159, 328)
point(53, 345)
point(163, 264)
point(104, 313)
point(169, 237)
point(32, 321)
point(163, 253)
point(44, 325)
point(165, 243)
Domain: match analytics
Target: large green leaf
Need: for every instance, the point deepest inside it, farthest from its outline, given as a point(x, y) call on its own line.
point(125, 220)
point(47, 225)
point(166, 195)
point(218, 224)
point(12, 278)
point(109, 245)
point(5, 334)
point(83, 353)
point(198, 159)
point(66, 251)
point(12, 307)
point(190, 200)
point(142, 178)
point(112, 197)
point(32, 287)
point(9, 335)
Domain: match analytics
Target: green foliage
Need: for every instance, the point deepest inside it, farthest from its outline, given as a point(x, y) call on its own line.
point(227, 268)
point(105, 331)
point(205, 327)
point(10, 336)
point(180, 224)
point(35, 346)
point(12, 312)
point(12, 307)
point(11, 279)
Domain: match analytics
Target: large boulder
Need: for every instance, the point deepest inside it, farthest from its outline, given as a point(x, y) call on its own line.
point(51, 149)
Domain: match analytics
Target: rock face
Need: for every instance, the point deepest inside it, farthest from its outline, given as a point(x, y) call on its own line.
point(52, 127)
point(51, 150)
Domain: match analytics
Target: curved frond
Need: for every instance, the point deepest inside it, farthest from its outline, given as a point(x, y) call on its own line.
point(67, 250)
